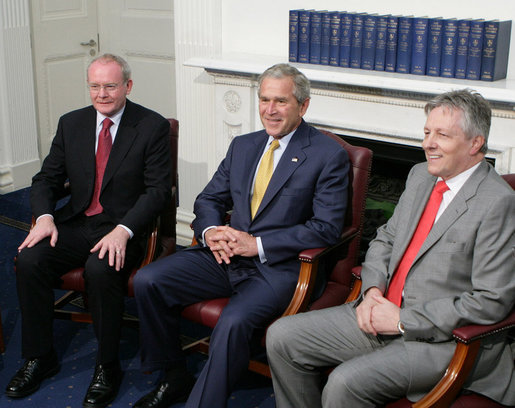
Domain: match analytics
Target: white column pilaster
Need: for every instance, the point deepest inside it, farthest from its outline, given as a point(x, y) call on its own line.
point(198, 32)
point(19, 157)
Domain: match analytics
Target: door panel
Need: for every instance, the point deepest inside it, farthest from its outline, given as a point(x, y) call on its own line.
point(142, 32)
point(59, 27)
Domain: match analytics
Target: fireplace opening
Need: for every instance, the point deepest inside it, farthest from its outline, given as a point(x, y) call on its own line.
point(391, 164)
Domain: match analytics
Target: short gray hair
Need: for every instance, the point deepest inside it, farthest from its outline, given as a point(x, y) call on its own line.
point(105, 58)
point(477, 114)
point(301, 84)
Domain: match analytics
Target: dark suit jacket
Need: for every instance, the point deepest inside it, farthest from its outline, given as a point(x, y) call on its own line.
point(463, 274)
point(303, 207)
point(136, 182)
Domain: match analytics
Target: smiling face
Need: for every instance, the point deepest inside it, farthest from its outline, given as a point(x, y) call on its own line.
point(279, 110)
point(449, 151)
point(105, 73)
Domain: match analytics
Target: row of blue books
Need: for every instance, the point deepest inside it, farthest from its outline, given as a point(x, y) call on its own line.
point(445, 47)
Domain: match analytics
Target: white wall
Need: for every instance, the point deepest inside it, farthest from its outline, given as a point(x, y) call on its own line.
point(261, 27)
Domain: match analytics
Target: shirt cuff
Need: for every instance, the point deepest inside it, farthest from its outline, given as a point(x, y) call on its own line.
point(131, 234)
point(204, 233)
point(261, 251)
point(44, 215)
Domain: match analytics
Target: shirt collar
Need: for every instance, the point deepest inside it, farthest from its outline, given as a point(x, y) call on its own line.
point(457, 182)
point(283, 141)
point(116, 118)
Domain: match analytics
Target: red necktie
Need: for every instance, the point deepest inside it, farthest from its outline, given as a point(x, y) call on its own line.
point(394, 293)
point(103, 149)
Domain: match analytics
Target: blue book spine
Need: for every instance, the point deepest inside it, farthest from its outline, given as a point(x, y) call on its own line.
point(304, 27)
point(404, 42)
point(449, 43)
point(434, 46)
point(315, 41)
point(419, 46)
point(346, 39)
point(392, 32)
point(357, 40)
point(326, 32)
point(334, 39)
point(475, 49)
point(381, 35)
point(462, 49)
point(496, 45)
point(368, 51)
point(293, 51)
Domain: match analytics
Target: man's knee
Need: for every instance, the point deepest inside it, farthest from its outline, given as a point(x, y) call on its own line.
point(144, 280)
point(278, 336)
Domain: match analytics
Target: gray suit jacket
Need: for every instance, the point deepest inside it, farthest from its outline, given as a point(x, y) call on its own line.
point(463, 274)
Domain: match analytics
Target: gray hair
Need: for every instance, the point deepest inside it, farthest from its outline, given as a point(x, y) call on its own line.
point(477, 114)
point(105, 58)
point(301, 84)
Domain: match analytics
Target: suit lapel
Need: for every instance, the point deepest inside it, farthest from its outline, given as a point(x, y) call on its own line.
point(85, 145)
point(455, 210)
point(423, 191)
point(125, 137)
point(292, 158)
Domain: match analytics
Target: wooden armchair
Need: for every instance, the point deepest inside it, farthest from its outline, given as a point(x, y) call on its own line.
point(339, 281)
point(448, 391)
point(160, 242)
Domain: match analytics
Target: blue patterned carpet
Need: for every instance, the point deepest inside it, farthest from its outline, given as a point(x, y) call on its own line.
point(76, 343)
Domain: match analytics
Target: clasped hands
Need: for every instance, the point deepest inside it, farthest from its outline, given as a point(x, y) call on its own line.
point(226, 242)
point(113, 243)
point(377, 315)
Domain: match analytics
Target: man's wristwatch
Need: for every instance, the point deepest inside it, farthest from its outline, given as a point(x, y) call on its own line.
point(400, 327)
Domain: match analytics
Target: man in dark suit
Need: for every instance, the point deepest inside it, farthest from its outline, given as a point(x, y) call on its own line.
point(116, 156)
point(396, 340)
point(254, 259)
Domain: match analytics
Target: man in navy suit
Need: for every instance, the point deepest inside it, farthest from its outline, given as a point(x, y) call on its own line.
point(254, 259)
point(102, 226)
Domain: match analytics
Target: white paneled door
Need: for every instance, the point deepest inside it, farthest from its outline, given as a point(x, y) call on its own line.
point(67, 34)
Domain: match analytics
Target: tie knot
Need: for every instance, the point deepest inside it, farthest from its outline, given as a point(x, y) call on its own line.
point(441, 187)
point(107, 123)
point(274, 145)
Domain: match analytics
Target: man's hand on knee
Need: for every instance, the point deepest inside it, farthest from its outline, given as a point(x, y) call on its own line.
point(115, 244)
point(43, 228)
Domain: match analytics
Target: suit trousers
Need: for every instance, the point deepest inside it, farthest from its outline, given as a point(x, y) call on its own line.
point(38, 272)
point(368, 370)
point(164, 287)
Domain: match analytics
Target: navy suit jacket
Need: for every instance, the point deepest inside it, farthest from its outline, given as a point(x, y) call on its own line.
point(136, 182)
point(303, 207)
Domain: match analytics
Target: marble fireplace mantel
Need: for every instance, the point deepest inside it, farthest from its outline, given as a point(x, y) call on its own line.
point(365, 104)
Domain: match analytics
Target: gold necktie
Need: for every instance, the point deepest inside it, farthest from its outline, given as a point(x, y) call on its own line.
point(264, 174)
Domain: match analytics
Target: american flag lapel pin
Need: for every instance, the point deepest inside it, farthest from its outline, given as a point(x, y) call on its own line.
point(295, 159)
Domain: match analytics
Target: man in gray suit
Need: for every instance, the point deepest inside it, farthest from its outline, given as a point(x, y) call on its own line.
point(462, 274)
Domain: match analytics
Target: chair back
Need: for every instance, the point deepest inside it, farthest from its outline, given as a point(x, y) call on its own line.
point(510, 179)
point(340, 278)
point(168, 218)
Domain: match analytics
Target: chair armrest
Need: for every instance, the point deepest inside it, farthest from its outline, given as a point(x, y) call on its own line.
point(150, 252)
point(468, 334)
point(308, 270)
point(356, 284)
point(468, 340)
point(313, 254)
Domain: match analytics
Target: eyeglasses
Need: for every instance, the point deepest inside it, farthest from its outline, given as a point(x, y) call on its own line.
point(107, 87)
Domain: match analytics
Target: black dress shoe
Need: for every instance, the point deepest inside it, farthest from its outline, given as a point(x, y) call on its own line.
point(104, 386)
point(28, 378)
point(167, 393)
